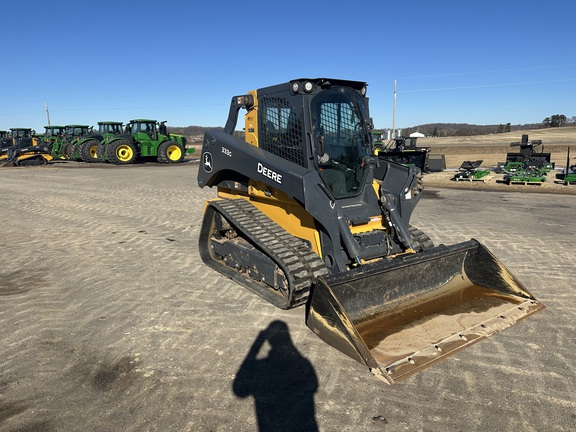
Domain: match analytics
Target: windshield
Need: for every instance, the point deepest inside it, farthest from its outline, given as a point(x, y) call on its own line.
point(341, 139)
point(144, 127)
point(52, 130)
point(106, 128)
point(76, 130)
point(20, 133)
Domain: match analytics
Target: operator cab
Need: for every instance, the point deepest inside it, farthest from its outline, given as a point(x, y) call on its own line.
point(342, 140)
point(321, 124)
point(147, 127)
point(105, 128)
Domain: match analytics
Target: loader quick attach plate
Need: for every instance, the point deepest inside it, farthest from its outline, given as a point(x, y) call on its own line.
point(402, 315)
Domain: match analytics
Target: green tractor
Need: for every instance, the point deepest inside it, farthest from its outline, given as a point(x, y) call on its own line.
point(86, 147)
point(91, 148)
point(75, 137)
point(143, 138)
point(54, 138)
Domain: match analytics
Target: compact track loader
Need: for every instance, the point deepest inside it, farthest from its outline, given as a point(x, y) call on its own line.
point(24, 148)
point(300, 218)
point(35, 154)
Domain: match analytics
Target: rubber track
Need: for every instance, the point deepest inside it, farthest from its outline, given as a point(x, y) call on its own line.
point(420, 238)
point(299, 263)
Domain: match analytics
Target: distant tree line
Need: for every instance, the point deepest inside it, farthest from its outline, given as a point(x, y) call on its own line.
point(465, 129)
point(557, 120)
point(194, 134)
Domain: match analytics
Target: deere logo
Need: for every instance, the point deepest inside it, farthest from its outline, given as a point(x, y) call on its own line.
point(207, 162)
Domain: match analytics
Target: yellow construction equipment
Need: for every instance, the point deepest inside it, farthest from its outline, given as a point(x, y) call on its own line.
point(302, 217)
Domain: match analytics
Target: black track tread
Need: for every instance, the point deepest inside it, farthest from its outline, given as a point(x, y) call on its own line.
point(420, 238)
point(299, 263)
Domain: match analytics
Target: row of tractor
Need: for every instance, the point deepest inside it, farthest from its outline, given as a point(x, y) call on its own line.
point(113, 142)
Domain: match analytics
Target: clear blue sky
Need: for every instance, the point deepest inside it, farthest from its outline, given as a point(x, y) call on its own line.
point(487, 62)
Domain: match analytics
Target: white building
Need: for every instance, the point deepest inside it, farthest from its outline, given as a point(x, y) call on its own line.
point(417, 135)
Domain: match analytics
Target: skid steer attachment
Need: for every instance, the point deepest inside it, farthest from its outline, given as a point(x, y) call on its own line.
point(307, 215)
point(399, 318)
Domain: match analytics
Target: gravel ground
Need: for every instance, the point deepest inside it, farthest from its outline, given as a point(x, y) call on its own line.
point(110, 322)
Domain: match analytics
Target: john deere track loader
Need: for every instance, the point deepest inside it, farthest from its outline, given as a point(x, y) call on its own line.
point(301, 219)
point(24, 148)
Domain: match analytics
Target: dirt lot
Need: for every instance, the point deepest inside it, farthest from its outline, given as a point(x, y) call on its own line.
point(109, 321)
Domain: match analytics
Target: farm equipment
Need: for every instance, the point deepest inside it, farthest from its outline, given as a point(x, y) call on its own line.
point(6, 140)
point(35, 154)
point(24, 148)
point(569, 175)
point(54, 137)
point(527, 166)
point(404, 151)
point(18, 136)
point(143, 138)
point(77, 137)
point(87, 146)
point(301, 218)
point(110, 128)
point(84, 144)
point(470, 171)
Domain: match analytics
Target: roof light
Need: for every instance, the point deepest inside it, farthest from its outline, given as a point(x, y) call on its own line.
point(308, 87)
point(295, 87)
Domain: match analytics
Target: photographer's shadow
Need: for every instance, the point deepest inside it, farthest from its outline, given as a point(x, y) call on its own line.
point(283, 382)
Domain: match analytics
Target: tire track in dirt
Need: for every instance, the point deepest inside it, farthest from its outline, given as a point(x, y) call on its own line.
point(98, 239)
point(110, 313)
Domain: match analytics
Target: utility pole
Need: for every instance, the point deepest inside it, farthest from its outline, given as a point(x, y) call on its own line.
point(394, 113)
point(47, 113)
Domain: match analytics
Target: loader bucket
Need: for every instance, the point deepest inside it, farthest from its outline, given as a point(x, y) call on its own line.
point(399, 316)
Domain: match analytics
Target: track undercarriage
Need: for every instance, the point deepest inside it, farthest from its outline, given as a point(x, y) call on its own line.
point(240, 241)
